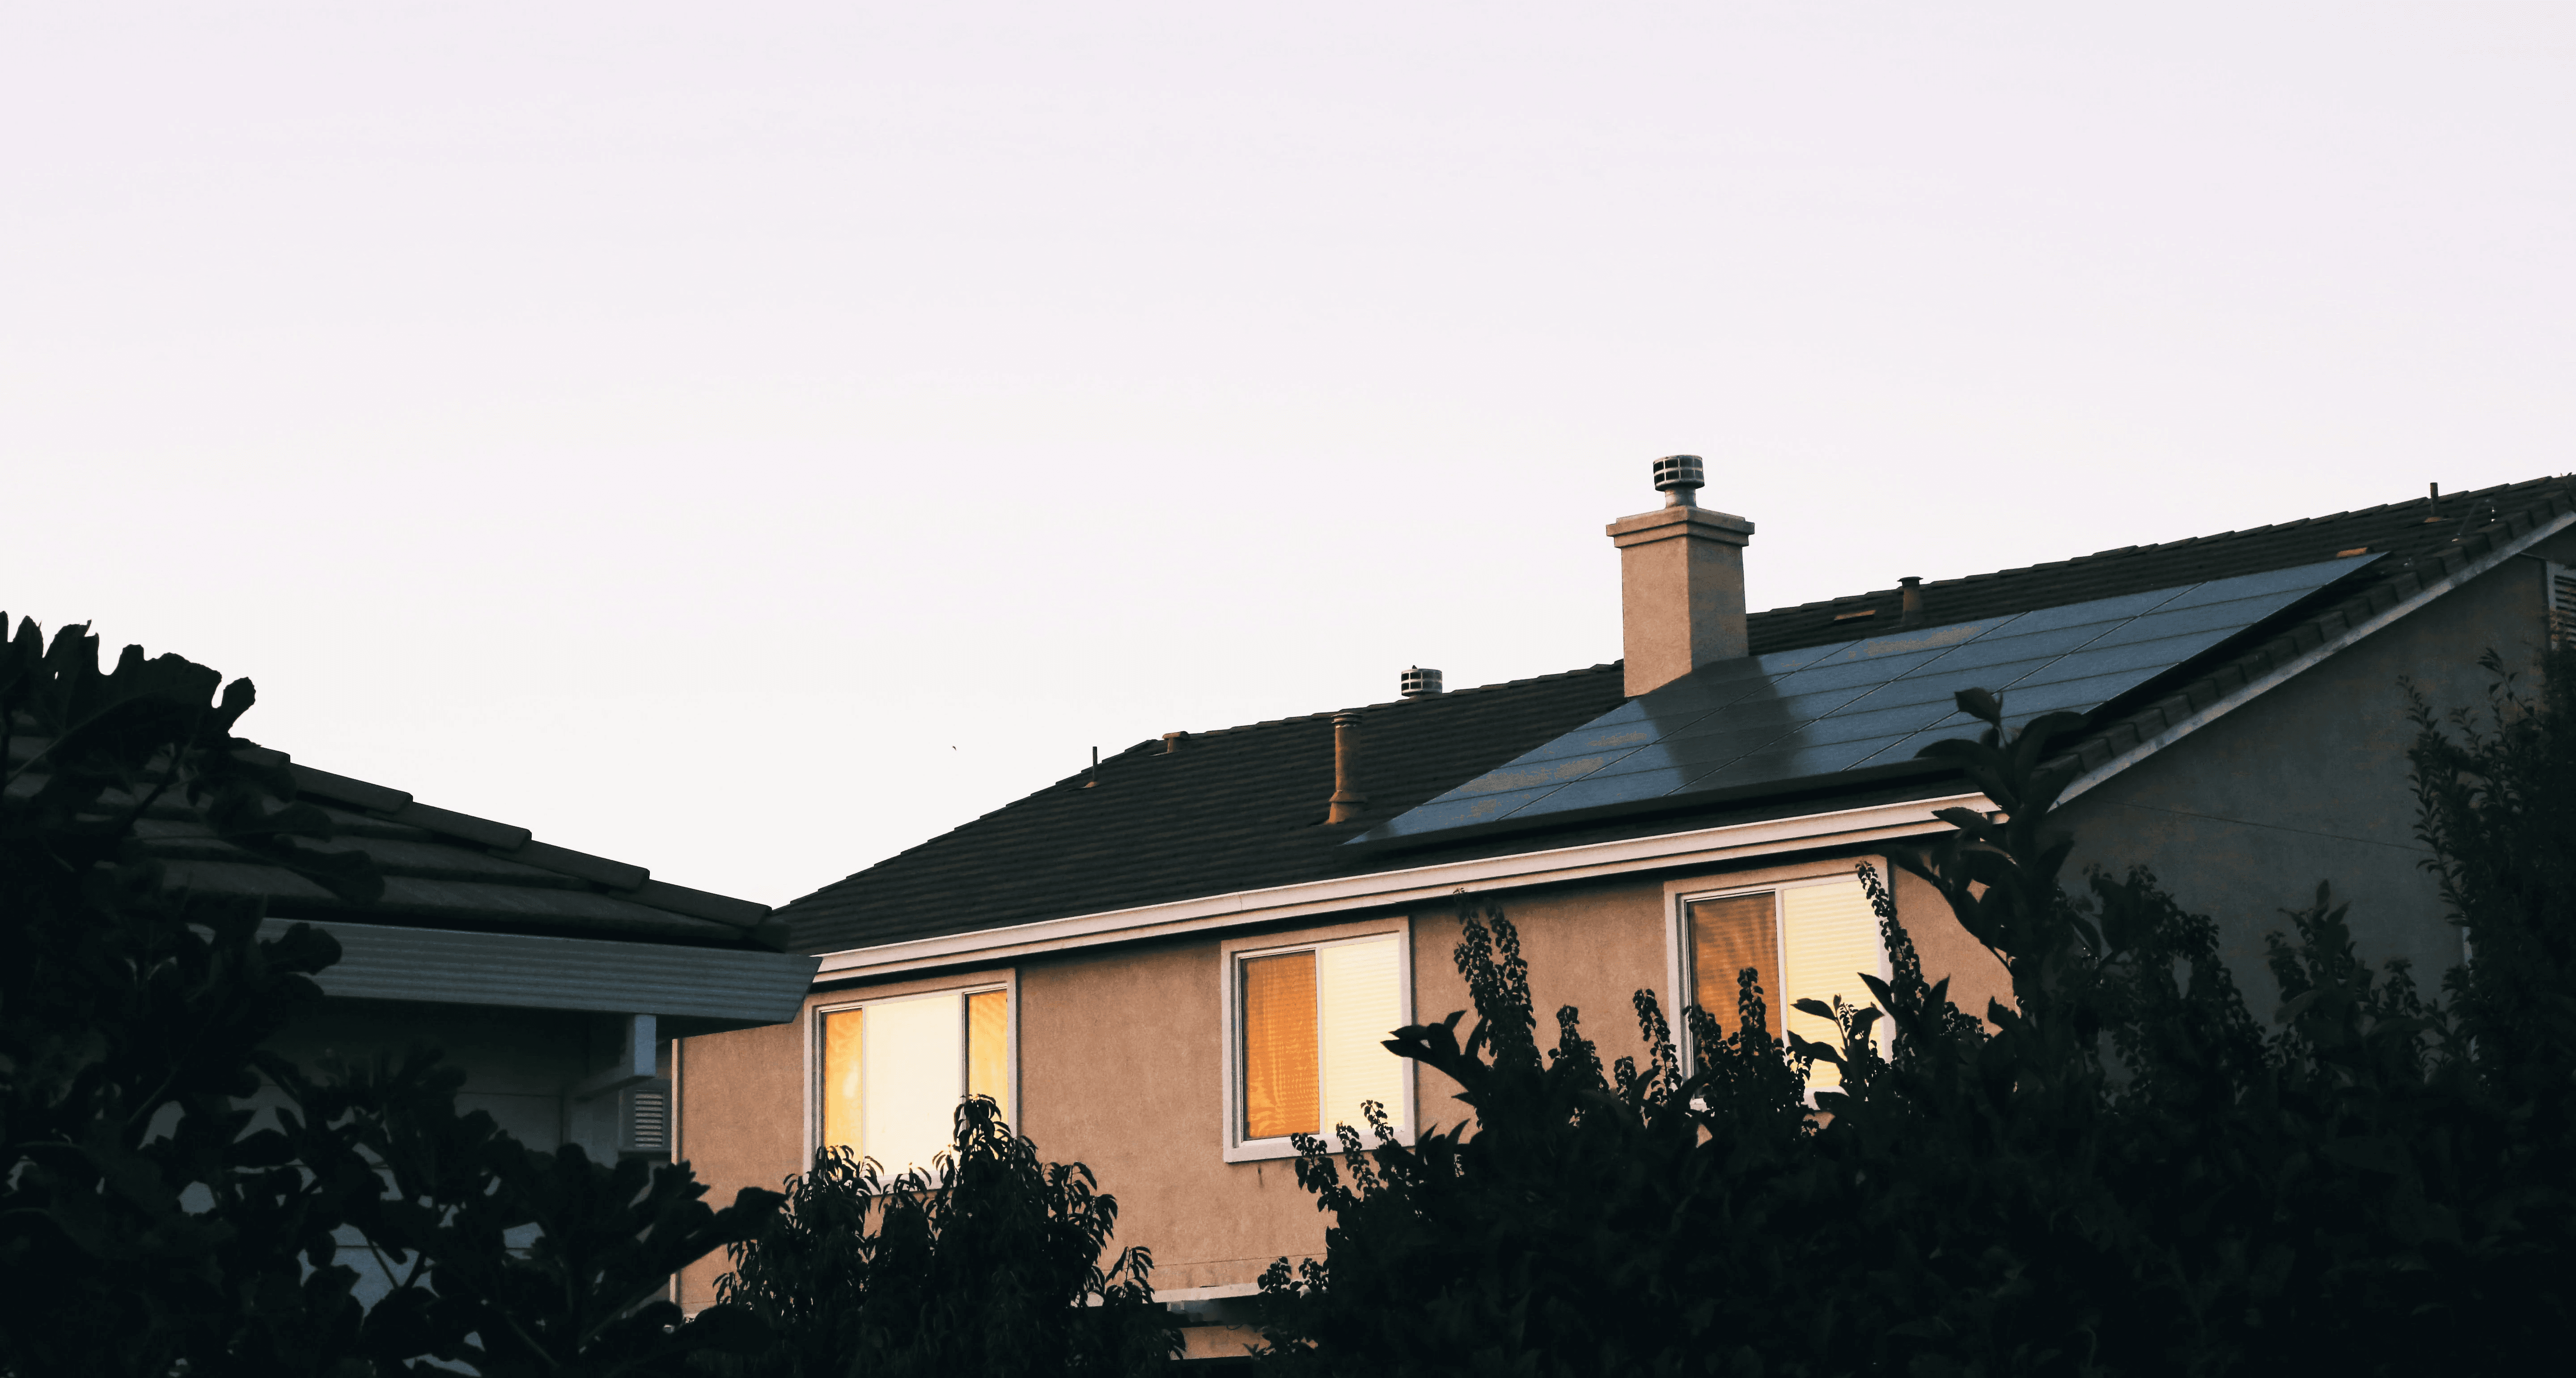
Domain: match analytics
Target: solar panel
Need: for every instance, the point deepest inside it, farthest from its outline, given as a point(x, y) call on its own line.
point(1877, 701)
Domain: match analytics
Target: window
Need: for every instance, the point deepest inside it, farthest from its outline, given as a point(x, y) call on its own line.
point(895, 1069)
point(1308, 1028)
point(1805, 941)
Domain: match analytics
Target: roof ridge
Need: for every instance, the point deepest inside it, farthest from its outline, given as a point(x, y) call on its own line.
point(1598, 667)
point(2179, 542)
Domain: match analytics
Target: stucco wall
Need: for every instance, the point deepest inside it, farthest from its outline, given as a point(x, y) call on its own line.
point(2242, 818)
point(741, 1118)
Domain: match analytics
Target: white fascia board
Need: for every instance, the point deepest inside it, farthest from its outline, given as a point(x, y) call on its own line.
point(1220, 1292)
point(2280, 675)
point(1705, 846)
point(528, 971)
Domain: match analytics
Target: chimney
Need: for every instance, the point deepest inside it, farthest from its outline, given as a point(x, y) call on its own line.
point(1681, 577)
point(1347, 800)
point(1418, 683)
point(1910, 596)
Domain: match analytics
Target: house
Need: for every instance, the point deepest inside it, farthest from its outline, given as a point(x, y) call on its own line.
point(557, 982)
point(1165, 966)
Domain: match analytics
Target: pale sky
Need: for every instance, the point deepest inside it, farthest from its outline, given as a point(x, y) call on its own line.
point(747, 440)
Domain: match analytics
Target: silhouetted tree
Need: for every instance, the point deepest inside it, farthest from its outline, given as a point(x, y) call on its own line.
point(151, 1221)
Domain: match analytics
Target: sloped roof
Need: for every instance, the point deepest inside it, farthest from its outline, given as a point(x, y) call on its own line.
point(1243, 808)
point(444, 870)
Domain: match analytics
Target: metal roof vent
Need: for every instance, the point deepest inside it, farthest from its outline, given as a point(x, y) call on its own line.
point(1678, 477)
point(1419, 683)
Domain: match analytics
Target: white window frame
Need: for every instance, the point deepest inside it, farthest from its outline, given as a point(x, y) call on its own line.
point(1232, 953)
point(1006, 980)
point(1680, 895)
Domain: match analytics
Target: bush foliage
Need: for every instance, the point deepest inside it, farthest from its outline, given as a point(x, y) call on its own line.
point(2122, 1171)
point(989, 1263)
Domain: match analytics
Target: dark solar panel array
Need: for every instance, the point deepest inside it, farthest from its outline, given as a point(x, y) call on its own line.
point(1818, 710)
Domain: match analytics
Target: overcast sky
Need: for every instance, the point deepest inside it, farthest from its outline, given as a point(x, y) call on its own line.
point(747, 440)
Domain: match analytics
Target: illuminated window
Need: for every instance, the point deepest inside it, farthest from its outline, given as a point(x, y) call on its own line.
point(1804, 942)
point(1310, 1028)
point(894, 1071)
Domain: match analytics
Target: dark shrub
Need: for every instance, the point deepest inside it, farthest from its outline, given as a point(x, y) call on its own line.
point(2122, 1172)
point(151, 1223)
point(988, 1265)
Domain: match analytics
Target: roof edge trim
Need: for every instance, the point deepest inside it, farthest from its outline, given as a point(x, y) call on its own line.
point(718, 987)
point(1876, 823)
point(2282, 674)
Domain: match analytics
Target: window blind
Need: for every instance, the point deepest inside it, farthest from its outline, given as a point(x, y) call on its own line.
point(908, 1078)
point(1726, 936)
point(1358, 1006)
point(988, 1047)
point(841, 1052)
point(1280, 1058)
point(1832, 936)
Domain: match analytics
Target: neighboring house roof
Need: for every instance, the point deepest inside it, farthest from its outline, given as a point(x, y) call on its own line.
point(479, 912)
point(1243, 808)
point(455, 871)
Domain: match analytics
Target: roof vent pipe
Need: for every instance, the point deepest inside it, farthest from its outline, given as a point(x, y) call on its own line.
point(1419, 683)
point(1347, 799)
point(1911, 592)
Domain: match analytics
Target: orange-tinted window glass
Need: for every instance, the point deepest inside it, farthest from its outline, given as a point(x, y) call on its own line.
point(841, 1047)
point(1280, 1066)
point(1726, 936)
point(988, 1047)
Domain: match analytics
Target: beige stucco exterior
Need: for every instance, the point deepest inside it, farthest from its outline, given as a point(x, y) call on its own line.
point(1121, 1055)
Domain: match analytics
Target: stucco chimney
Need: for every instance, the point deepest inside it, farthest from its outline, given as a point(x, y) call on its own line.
point(1681, 578)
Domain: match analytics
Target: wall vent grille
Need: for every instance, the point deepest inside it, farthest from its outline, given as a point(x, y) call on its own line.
point(644, 1121)
point(2562, 606)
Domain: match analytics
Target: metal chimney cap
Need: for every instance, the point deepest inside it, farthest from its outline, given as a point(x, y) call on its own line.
point(1679, 476)
point(1418, 683)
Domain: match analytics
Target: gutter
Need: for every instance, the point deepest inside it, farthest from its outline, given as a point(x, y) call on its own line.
point(700, 989)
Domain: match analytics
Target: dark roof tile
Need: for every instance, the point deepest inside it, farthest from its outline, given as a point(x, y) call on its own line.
point(441, 869)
